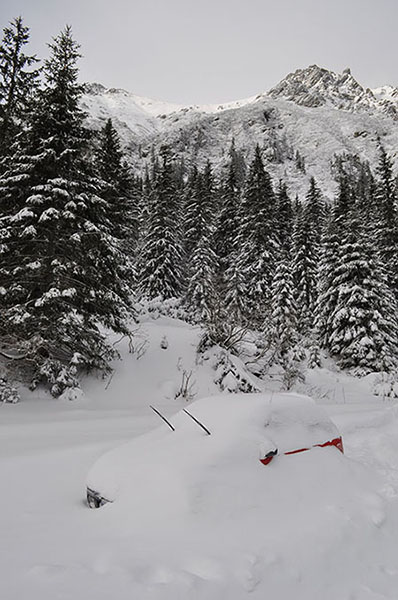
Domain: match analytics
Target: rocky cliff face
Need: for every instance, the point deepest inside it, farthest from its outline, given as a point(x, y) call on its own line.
point(313, 112)
point(315, 86)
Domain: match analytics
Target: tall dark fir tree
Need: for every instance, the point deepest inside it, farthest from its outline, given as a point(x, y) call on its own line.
point(335, 233)
point(305, 270)
point(199, 209)
point(228, 220)
point(284, 219)
point(119, 189)
point(386, 218)
point(257, 244)
point(161, 257)
point(307, 241)
point(18, 82)
point(61, 270)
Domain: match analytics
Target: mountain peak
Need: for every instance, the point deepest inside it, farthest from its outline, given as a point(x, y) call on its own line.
point(317, 86)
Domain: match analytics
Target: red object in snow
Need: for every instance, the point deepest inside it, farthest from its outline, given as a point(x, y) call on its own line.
point(337, 442)
point(266, 460)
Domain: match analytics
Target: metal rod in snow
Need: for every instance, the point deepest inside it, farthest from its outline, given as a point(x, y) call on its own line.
point(196, 421)
point(155, 410)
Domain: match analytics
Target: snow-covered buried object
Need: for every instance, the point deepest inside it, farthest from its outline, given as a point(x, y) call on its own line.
point(245, 429)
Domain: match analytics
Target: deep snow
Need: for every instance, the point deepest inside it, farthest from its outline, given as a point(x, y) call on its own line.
point(310, 526)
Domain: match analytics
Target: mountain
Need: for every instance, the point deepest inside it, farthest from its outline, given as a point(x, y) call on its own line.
point(312, 113)
point(313, 87)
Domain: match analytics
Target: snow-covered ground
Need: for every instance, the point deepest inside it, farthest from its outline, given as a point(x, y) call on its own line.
point(310, 526)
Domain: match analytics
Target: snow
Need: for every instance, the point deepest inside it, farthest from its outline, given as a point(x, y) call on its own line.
point(386, 92)
point(349, 119)
point(313, 525)
point(24, 213)
point(240, 425)
point(47, 215)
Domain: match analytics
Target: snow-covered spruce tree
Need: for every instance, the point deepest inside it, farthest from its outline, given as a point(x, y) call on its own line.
point(307, 234)
point(161, 256)
point(335, 232)
point(227, 223)
point(121, 192)
point(314, 357)
point(61, 269)
point(109, 155)
point(201, 259)
point(18, 82)
point(386, 219)
point(238, 164)
point(363, 327)
point(145, 193)
point(192, 210)
point(199, 209)
point(235, 292)
point(257, 243)
point(282, 332)
point(201, 291)
point(284, 219)
point(315, 210)
point(304, 270)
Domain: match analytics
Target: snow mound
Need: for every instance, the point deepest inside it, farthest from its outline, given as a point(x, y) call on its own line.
point(242, 427)
point(214, 520)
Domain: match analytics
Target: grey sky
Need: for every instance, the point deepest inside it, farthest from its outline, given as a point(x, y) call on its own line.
point(216, 50)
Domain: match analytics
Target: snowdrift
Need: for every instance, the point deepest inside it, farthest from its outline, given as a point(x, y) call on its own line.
point(217, 520)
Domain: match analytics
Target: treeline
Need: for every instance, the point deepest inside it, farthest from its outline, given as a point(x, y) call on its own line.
point(82, 239)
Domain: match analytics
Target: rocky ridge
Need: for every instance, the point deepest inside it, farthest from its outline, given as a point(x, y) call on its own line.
point(313, 113)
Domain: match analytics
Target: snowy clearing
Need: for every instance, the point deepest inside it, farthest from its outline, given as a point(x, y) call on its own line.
point(314, 525)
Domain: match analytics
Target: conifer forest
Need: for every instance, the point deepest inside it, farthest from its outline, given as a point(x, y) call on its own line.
point(87, 241)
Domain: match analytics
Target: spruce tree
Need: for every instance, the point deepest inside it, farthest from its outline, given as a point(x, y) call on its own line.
point(193, 210)
point(386, 219)
point(315, 210)
point(282, 324)
point(257, 242)
point(307, 236)
point(18, 82)
point(61, 272)
point(200, 257)
point(284, 219)
point(228, 221)
point(363, 328)
point(335, 232)
point(199, 210)
point(235, 292)
point(305, 270)
point(201, 293)
point(161, 256)
point(119, 188)
point(109, 155)
point(238, 164)
point(146, 189)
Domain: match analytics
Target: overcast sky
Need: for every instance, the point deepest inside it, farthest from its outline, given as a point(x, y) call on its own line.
point(196, 51)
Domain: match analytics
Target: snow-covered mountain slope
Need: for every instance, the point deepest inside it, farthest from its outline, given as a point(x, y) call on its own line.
point(313, 111)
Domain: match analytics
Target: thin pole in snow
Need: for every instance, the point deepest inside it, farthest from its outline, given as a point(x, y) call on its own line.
point(155, 410)
point(196, 421)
